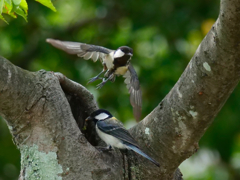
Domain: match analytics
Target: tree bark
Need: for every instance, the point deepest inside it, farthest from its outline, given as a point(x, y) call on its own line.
point(45, 114)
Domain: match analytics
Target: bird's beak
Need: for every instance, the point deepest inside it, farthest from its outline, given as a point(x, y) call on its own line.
point(130, 54)
point(88, 118)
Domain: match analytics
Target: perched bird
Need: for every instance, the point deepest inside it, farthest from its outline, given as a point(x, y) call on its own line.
point(115, 62)
point(112, 132)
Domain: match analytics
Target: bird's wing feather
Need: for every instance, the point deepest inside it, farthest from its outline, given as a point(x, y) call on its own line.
point(133, 85)
point(139, 151)
point(115, 128)
point(86, 51)
point(117, 131)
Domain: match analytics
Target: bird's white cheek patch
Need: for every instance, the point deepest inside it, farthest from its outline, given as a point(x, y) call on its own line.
point(118, 53)
point(101, 116)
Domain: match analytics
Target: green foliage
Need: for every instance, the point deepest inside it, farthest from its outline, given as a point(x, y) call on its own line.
point(47, 3)
point(19, 7)
point(9, 154)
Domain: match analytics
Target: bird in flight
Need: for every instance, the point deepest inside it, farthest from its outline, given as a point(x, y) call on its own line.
point(115, 63)
point(113, 133)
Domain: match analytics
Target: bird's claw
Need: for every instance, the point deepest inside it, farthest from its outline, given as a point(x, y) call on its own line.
point(99, 86)
point(94, 79)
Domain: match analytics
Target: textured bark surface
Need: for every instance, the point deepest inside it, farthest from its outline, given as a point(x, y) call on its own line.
point(45, 113)
point(41, 121)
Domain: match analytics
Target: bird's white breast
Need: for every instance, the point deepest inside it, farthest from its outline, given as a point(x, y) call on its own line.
point(110, 140)
point(108, 60)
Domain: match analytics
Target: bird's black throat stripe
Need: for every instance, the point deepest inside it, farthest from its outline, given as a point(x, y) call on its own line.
point(121, 61)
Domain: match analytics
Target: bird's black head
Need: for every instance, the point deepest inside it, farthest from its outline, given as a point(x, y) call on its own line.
point(123, 51)
point(126, 50)
point(99, 115)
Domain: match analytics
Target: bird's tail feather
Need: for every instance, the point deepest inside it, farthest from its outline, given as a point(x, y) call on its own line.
point(137, 150)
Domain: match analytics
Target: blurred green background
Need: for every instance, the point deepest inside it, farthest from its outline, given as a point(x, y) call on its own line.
point(164, 35)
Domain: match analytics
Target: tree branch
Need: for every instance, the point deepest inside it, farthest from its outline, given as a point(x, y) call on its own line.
point(40, 119)
point(77, 90)
point(82, 104)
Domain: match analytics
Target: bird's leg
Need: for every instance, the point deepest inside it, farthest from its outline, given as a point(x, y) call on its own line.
point(99, 86)
point(96, 77)
point(104, 149)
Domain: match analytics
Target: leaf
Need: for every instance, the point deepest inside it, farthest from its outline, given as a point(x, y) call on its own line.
point(20, 7)
point(8, 1)
point(7, 11)
point(24, 6)
point(18, 10)
point(1, 7)
point(8, 7)
point(16, 2)
point(1, 10)
point(47, 3)
point(2, 18)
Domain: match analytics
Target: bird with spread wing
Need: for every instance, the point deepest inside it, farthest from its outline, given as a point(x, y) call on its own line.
point(115, 63)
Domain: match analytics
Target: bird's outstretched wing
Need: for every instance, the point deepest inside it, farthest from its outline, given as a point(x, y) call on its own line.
point(117, 131)
point(133, 85)
point(86, 51)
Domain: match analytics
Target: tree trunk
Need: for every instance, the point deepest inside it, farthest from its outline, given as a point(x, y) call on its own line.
point(45, 113)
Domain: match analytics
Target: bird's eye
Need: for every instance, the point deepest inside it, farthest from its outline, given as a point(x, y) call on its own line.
point(124, 50)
